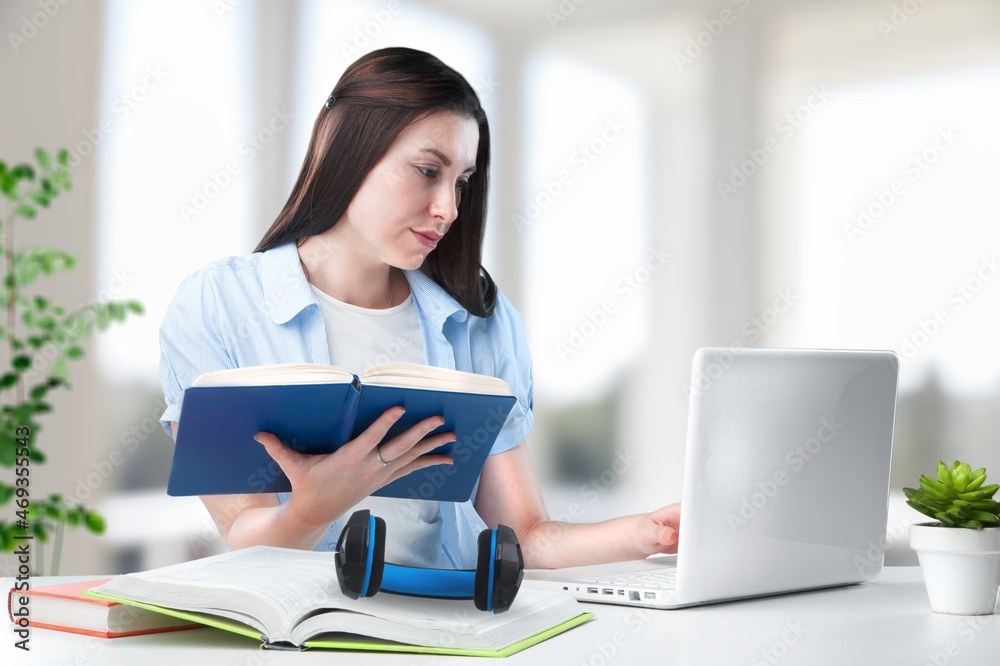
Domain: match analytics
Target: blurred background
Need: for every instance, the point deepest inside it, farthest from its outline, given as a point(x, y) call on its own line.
point(666, 175)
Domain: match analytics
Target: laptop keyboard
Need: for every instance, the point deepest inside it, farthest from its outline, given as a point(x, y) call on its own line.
point(650, 580)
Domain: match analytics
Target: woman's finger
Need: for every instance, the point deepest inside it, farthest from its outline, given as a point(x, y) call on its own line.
point(287, 459)
point(423, 447)
point(419, 464)
point(291, 462)
point(398, 446)
point(376, 432)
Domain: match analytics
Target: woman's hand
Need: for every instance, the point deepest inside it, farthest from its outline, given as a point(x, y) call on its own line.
point(509, 495)
point(657, 532)
point(324, 486)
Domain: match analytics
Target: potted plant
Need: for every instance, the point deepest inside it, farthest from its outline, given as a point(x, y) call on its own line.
point(38, 340)
point(960, 553)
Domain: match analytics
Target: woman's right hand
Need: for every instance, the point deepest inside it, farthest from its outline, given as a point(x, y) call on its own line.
point(324, 486)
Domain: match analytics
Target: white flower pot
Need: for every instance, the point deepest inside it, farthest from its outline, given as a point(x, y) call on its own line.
point(961, 567)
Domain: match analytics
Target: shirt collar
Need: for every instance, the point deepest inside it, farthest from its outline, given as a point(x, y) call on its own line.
point(287, 289)
point(436, 303)
point(285, 286)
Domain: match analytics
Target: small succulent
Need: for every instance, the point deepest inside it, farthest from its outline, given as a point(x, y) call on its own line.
point(957, 497)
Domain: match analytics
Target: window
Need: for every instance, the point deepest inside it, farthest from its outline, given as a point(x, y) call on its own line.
point(897, 225)
point(175, 148)
point(583, 222)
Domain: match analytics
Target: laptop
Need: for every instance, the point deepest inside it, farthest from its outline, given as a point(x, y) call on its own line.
point(786, 482)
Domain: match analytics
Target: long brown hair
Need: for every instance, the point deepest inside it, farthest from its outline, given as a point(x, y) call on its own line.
point(378, 96)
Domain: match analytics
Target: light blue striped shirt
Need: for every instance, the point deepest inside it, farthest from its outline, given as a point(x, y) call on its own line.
point(259, 309)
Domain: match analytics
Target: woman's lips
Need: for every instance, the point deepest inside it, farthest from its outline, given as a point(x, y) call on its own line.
point(427, 238)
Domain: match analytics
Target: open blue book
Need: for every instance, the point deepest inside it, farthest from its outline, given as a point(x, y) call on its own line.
point(317, 408)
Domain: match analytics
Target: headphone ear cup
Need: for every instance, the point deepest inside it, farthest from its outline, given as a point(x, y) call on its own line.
point(361, 541)
point(508, 567)
point(499, 550)
point(378, 558)
point(483, 580)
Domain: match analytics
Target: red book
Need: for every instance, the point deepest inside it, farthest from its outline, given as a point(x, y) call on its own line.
point(64, 608)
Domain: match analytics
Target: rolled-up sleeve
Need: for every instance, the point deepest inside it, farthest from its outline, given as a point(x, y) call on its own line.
point(512, 361)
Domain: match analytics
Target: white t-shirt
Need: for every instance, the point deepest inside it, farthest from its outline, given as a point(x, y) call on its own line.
point(360, 338)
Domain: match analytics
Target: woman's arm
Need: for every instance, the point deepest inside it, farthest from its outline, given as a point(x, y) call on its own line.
point(324, 487)
point(259, 520)
point(509, 494)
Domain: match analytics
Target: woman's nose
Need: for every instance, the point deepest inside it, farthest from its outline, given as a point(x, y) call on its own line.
point(445, 204)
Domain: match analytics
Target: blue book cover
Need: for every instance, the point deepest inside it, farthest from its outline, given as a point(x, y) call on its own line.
point(215, 452)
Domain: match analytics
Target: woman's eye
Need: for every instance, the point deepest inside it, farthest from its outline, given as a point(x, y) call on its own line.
point(428, 172)
point(463, 185)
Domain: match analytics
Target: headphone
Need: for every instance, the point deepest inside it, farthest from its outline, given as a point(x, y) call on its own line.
point(362, 570)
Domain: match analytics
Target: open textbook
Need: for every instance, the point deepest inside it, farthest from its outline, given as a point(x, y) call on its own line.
point(290, 599)
point(316, 408)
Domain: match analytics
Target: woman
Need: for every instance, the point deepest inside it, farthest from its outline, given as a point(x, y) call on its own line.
point(378, 249)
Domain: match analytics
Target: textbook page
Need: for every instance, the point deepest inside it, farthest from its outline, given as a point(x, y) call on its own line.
point(409, 375)
point(272, 375)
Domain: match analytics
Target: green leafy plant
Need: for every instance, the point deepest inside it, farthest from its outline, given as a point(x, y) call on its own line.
point(957, 497)
point(41, 338)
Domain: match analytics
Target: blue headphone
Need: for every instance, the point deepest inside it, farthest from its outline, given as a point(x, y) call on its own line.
point(362, 570)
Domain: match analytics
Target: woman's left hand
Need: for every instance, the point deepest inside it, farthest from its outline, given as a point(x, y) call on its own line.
point(657, 532)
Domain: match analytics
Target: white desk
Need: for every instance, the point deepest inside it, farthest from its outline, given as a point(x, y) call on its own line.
point(885, 622)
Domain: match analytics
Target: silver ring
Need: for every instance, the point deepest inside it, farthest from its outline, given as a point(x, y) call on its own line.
point(378, 454)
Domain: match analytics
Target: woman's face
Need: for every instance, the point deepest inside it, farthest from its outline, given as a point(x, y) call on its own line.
point(409, 200)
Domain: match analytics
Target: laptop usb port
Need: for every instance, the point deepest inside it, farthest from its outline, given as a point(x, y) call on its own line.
point(591, 590)
point(607, 590)
point(649, 595)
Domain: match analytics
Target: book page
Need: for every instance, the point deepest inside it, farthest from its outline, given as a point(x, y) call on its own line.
point(277, 374)
point(445, 622)
point(410, 375)
point(264, 587)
